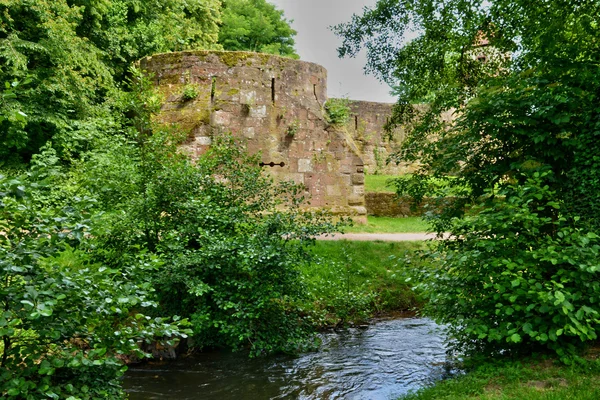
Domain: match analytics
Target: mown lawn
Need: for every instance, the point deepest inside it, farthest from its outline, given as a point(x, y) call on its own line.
point(379, 183)
point(390, 225)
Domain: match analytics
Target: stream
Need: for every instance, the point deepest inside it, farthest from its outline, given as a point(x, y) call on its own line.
point(382, 362)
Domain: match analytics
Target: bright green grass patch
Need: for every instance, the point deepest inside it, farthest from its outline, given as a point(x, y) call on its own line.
point(520, 381)
point(350, 282)
point(390, 225)
point(379, 183)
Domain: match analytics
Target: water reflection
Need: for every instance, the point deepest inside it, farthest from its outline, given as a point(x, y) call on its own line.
point(382, 362)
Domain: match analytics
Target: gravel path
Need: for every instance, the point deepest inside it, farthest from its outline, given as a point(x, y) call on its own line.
point(386, 237)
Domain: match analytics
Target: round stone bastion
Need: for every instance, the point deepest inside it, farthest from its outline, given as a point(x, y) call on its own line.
point(275, 105)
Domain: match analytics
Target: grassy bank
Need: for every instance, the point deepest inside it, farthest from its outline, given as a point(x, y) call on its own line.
point(390, 225)
point(382, 183)
point(350, 282)
point(524, 380)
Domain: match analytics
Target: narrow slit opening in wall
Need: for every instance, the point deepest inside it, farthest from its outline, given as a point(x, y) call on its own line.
point(356, 122)
point(273, 90)
point(315, 91)
point(213, 89)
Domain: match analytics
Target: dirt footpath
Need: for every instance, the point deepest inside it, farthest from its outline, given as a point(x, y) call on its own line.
point(385, 237)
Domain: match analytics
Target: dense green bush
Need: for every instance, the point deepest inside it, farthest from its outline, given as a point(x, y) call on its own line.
point(231, 239)
point(518, 273)
point(66, 320)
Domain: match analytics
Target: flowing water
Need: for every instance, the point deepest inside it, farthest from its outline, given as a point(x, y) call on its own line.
point(384, 361)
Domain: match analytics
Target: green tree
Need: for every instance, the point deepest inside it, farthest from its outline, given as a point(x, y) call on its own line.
point(256, 25)
point(62, 76)
point(127, 30)
point(532, 100)
point(516, 278)
point(521, 81)
point(70, 57)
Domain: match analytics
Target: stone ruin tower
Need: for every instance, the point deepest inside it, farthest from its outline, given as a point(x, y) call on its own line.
point(276, 104)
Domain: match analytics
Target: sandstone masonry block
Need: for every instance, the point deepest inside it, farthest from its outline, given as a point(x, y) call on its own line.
point(258, 111)
point(221, 118)
point(358, 179)
point(334, 190)
point(356, 200)
point(249, 132)
point(305, 165)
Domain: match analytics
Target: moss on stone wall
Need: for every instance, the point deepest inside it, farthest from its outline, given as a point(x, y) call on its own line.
point(231, 59)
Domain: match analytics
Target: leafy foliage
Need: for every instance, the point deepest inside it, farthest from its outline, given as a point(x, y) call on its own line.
point(518, 275)
point(512, 115)
point(231, 253)
point(531, 104)
point(337, 111)
point(127, 30)
point(65, 318)
point(256, 25)
point(190, 92)
point(69, 58)
point(35, 37)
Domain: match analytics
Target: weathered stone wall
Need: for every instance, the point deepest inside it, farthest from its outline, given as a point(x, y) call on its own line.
point(366, 125)
point(389, 205)
point(277, 105)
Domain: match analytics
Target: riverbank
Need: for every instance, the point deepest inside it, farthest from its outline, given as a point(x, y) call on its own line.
point(527, 379)
point(373, 273)
point(347, 284)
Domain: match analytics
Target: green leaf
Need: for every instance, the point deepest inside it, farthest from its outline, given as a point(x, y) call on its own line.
point(45, 368)
point(28, 303)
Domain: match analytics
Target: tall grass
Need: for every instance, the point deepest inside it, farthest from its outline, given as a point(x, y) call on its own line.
point(349, 282)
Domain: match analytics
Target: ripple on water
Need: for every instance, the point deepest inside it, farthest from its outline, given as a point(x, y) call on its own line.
point(382, 362)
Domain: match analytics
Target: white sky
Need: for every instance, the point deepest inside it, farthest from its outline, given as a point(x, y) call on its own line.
point(316, 43)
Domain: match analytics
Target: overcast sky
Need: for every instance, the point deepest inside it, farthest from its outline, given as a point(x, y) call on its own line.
point(316, 43)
